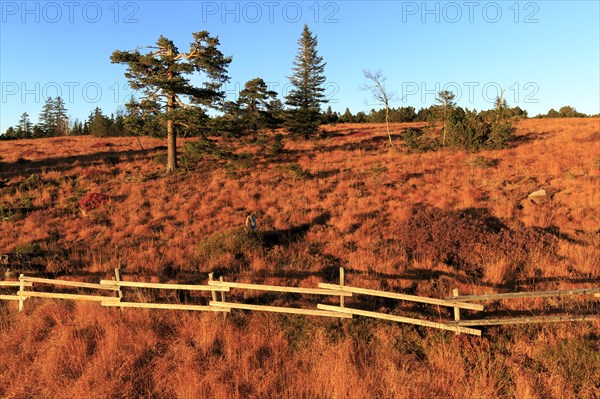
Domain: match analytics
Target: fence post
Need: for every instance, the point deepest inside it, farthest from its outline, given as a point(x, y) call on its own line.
point(118, 277)
point(223, 298)
point(342, 279)
point(213, 292)
point(21, 288)
point(222, 292)
point(456, 310)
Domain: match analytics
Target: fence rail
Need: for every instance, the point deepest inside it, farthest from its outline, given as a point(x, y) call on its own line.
point(526, 320)
point(217, 302)
point(278, 309)
point(517, 295)
point(160, 286)
point(400, 319)
point(411, 298)
point(336, 291)
point(66, 283)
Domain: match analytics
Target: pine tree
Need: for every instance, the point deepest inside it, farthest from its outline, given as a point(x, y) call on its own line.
point(61, 120)
point(10, 134)
point(47, 119)
point(253, 104)
point(347, 116)
point(161, 76)
point(330, 117)
point(100, 124)
point(25, 127)
point(307, 93)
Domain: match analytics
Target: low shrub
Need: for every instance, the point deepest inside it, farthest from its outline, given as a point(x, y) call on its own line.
point(229, 249)
point(93, 201)
point(416, 140)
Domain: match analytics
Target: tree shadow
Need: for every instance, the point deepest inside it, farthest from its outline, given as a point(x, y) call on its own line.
point(24, 167)
point(294, 233)
point(528, 138)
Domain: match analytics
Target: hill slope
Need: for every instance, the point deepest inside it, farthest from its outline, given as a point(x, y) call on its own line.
point(417, 223)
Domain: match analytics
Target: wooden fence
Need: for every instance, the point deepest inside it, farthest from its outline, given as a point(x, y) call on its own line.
point(110, 293)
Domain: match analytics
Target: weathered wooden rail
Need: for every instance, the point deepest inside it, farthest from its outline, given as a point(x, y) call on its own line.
point(110, 293)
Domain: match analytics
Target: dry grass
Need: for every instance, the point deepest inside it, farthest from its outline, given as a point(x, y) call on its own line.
point(345, 200)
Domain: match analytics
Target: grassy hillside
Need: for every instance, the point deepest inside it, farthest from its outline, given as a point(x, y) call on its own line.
point(417, 223)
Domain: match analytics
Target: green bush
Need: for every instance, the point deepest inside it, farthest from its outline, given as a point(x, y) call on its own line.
point(416, 140)
point(500, 135)
point(30, 249)
point(203, 149)
point(229, 249)
point(467, 130)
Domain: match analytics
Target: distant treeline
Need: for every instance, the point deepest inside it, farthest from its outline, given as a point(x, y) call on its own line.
point(53, 120)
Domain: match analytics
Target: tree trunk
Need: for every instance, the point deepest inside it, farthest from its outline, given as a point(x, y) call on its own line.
point(444, 127)
point(387, 124)
point(171, 135)
point(171, 139)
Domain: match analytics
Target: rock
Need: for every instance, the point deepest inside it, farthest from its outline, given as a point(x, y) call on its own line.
point(251, 224)
point(538, 197)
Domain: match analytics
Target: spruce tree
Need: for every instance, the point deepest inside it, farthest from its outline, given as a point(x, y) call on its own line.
point(160, 75)
point(25, 127)
point(47, 119)
point(100, 124)
point(308, 92)
point(61, 127)
point(347, 116)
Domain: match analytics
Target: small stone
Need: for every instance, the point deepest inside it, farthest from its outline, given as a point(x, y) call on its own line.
point(538, 196)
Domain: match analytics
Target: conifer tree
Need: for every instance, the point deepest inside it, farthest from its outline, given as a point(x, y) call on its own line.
point(47, 118)
point(25, 127)
point(61, 121)
point(253, 104)
point(308, 92)
point(160, 75)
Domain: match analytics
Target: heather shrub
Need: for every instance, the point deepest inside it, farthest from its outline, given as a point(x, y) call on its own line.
point(93, 201)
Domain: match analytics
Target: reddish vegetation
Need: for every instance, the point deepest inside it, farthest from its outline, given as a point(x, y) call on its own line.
point(93, 201)
point(416, 223)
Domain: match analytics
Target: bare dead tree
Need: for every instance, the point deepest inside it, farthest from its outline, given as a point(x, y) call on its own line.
point(377, 88)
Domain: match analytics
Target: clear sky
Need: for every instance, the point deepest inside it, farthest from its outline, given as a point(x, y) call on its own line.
point(544, 54)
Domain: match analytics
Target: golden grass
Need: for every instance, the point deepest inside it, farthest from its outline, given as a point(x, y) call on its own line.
point(337, 201)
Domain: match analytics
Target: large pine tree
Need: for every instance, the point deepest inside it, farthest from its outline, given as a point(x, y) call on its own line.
point(308, 93)
point(161, 77)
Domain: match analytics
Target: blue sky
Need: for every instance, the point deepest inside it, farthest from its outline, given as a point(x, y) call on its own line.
point(544, 54)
